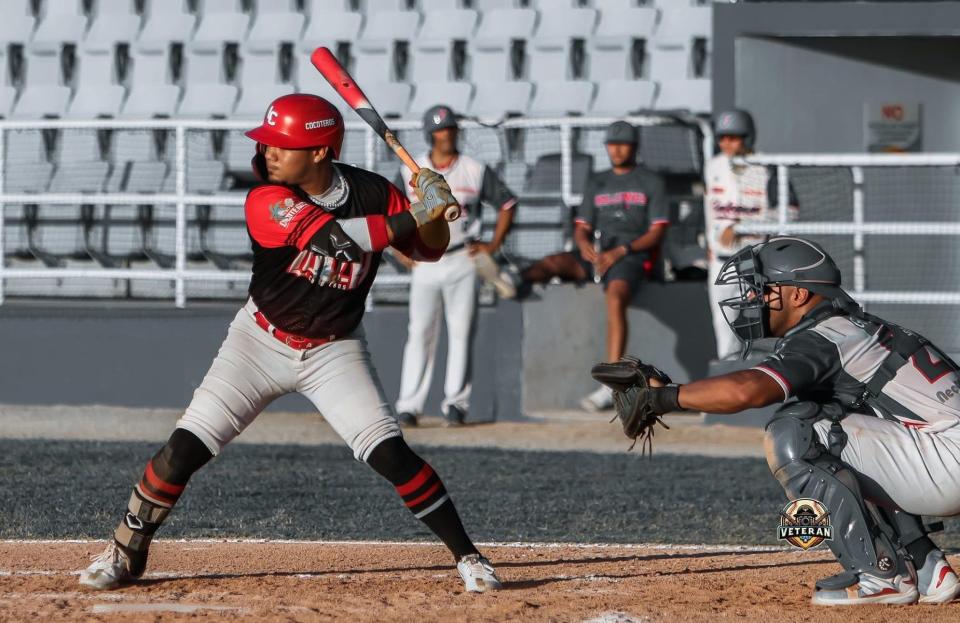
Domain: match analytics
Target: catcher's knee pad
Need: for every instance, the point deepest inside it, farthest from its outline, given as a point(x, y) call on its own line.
point(162, 483)
point(805, 469)
point(416, 483)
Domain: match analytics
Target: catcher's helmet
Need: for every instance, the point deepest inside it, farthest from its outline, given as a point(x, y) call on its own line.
point(437, 118)
point(735, 122)
point(785, 260)
point(300, 121)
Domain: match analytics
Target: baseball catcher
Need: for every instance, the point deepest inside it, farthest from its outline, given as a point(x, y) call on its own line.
point(868, 425)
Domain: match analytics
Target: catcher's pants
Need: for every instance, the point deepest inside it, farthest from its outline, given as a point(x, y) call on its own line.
point(253, 368)
point(450, 285)
point(727, 341)
point(917, 471)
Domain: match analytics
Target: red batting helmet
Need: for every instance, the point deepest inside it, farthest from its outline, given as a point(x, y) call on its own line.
point(300, 121)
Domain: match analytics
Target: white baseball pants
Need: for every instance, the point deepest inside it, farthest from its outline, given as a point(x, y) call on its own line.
point(448, 285)
point(253, 369)
point(727, 341)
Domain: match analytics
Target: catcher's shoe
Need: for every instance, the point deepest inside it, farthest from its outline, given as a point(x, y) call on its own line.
point(478, 574)
point(867, 589)
point(936, 580)
point(599, 400)
point(108, 570)
point(407, 418)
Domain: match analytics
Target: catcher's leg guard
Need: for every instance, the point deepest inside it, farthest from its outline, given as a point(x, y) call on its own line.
point(153, 498)
point(806, 470)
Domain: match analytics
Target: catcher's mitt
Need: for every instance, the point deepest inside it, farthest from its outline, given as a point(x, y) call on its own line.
point(639, 406)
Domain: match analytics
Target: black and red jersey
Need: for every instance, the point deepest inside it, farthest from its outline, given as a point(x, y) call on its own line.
point(309, 288)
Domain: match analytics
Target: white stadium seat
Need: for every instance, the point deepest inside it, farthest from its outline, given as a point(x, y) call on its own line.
point(439, 5)
point(60, 22)
point(329, 29)
point(114, 21)
point(495, 99)
point(456, 95)
point(18, 22)
point(152, 92)
point(487, 5)
point(260, 82)
point(618, 97)
point(271, 28)
point(222, 22)
point(693, 95)
point(375, 6)
point(44, 94)
point(560, 98)
point(391, 99)
point(432, 51)
point(8, 94)
point(491, 48)
point(166, 22)
point(309, 80)
point(611, 48)
point(254, 99)
point(550, 50)
point(98, 93)
point(374, 51)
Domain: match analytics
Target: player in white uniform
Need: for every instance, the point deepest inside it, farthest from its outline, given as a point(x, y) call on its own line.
point(317, 229)
point(734, 194)
point(449, 285)
point(869, 425)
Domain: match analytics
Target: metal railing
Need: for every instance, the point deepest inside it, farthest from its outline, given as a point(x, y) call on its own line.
point(181, 274)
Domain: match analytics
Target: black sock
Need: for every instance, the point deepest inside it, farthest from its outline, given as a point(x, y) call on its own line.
point(422, 492)
point(919, 549)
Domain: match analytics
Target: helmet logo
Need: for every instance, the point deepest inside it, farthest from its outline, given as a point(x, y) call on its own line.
point(271, 118)
point(322, 123)
point(726, 120)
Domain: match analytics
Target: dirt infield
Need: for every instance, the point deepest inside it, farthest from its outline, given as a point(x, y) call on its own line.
point(310, 581)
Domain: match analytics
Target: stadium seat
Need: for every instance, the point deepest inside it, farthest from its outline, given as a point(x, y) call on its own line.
point(329, 29)
point(114, 21)
point(439, 5)
point(203, 177)
point(453, 94)
point(135, 145)
point(132, 176)
point(546, 175)
point(671, 53)
point(254, 98)
point(222, 22)
point(60, 22)
point(684, 20)
point(166, 22)
point(561, 98)
point(276, 22)
point(693, 95)
point(17, 24)
point(44, 94)
point(554, 5)
point(432, 51)
point(619, 97)
point(98, 92)
point(152, 93)
point(309, 80)
point(492, 51)
point(616, 49)
point(376, 6)
point(391, 99)
point(8, 93)
point(374, 51)
point(554, 51)
point(497, 99)
point(206, 93)
point(488, 5)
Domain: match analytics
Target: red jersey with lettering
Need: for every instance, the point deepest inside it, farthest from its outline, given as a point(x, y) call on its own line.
point(301, 282)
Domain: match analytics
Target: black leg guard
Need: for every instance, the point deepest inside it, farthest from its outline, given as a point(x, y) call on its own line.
point(806, 470)
point(910, 532)
point(153, 498)
point(422, 492)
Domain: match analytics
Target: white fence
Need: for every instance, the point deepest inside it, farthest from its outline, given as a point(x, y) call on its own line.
point(892, 221)
point(181, 274)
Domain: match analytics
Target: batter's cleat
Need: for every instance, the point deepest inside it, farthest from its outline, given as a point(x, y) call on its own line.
point(454, 416)
point(600, 400)
point(108, 570)
point(407, 419)
point(478, 574)
point(867, 589)
point(936, 580)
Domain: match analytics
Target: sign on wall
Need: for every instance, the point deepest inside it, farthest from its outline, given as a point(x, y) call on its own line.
point(892, 127)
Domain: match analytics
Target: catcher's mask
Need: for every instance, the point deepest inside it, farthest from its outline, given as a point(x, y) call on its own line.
point(757, 269)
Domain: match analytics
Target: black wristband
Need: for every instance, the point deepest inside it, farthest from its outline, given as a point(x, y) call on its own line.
point(403, 225)
point(665, 399)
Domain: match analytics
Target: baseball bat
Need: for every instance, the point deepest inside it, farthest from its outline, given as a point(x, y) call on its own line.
point(344, 84)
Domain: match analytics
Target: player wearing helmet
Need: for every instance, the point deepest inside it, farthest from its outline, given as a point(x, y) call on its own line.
point(735, 193)
point(318, 229)
point(450, 284)
point(870, 424)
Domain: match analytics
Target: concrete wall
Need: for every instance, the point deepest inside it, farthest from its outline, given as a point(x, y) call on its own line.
point(805, 69)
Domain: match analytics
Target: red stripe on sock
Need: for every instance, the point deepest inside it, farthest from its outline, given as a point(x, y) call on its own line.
point(159, 484)
point(416, 482)
point(420, 498)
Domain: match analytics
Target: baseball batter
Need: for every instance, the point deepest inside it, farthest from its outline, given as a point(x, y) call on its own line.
point(870, 424)
point(450, 284)
point(619, 225)
point(734, 194)
point(318, 229)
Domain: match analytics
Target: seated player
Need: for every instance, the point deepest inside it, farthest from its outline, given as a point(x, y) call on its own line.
point(622, 219)
point(871, 429)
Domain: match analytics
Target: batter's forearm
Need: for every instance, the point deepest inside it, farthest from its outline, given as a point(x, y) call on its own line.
point(730, 393)
point(400, 226)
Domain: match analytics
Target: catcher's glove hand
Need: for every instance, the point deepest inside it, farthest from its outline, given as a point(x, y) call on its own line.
point(639, 405)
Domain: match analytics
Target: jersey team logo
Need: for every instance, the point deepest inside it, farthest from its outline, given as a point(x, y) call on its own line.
point(805, 523)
